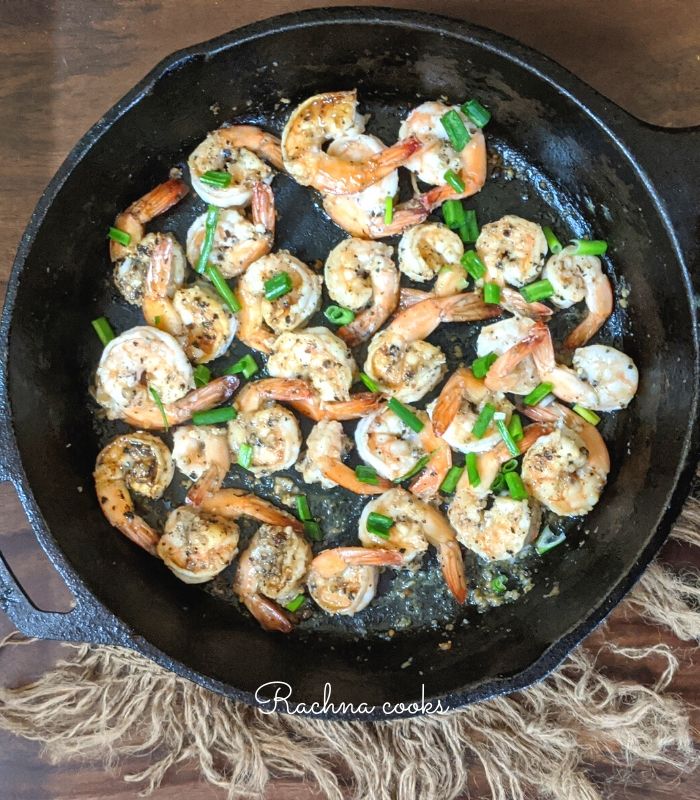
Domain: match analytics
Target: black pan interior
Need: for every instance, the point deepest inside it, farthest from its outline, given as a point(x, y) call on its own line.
point(552, 162)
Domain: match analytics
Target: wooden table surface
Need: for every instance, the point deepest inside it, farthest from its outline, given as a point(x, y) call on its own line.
point(62, 64)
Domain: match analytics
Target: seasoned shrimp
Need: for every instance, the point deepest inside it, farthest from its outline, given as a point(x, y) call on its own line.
point(271, 430)
point(321, 119)
point(261, 320)
point(131, 271)
point(416, 525)
point(361, 276)
point(577, 278)
point(243, 152)
point(512, 249)
point(134, 462)
point(399, 359)
point(238, 241)
point(318, 357)
point(437, 154)
point(271, 573)
point(567, 469)
point(458, 407)
point(201, 452)
point(196, 546)
point(362, 213)
point(498, 338)
point(425, 250)
point(343, 580)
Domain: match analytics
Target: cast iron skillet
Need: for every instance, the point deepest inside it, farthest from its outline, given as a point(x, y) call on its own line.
point(579, 162)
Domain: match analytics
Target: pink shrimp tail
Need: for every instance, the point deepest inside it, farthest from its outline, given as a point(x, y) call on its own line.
point(263, 206)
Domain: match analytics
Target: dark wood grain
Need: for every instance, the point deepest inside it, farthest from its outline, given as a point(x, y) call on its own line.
point(62, 64)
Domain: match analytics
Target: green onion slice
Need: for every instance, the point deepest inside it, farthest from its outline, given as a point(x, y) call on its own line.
point(589, 247)
point(245, 455)
point(482, 365)
point(492, 294)
point(470, 230)
point(405, 415)
point(587, 414)
point(510, 466)
point(103, 329)
point(415, 469)
point(515, 485)
point(313, 529)
point(202, 375)
point(216, 178)
point(303, 510)
point(451, 480)
point(296, 604)
point(515, 428)
point(119, 236)
point(538, 394)
point(483, 420)
point(156, 399)
point(553, 243)
point(214, 415)
point(476, 113)
point(246, 366)
point(472, 467)
point(379, 524)
point(499, 483)
point(210, 224)
point(373, 386)
point(512, 447)
point(339, 315)
point(454, 181)
point(473, 264)
point(453, 214)
point(548, 540)
point(366, 474)
point(388, 210)
point(498, 584)
point(455, 129)
point(223, 288)
point(539, 290)
point(278, 285)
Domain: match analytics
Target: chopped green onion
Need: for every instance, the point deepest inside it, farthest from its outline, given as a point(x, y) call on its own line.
point(214, 415)
point(469, 232)
point(379, 524)
point(202, 375)
point(512, 447)
point(405, 415)
point(278, 285)
point(388, 210)
point(515, 485)
point(454, 180)
point(548, 540)
point(499, 483)
point(246, 366)
point(453, 214)
point(483, 420)
point(451, 480)
point(515, 428)
point(415, 469)
point(373, 386)
point(156, 319)
point(103, 329)
point(587, 414)
point(223, 288)
point(156, 399)
point(498, 584)
point(492, 294)
point(296, 604)
point(537, 394)
point(119, 236)
point(481, 365)
point(245, 455)
point(303, 510)
point(339, 315)
point(366, 474)
point(510, 466)
point(210, 224)
point(552, 242)
point(539, 290)
point(313, 529)
point(473, 264)
point(589, 247)
point(476, 113)
point(472, 469)
point(455, 129)
point(216, 178)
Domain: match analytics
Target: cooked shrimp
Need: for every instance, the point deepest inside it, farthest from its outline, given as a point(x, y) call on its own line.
point(235, 503)
point(318, 357)
point(495, 528)
point(361, 276)
point(201, 452)
point(512, 249)
point(321, 119)
point(458, 407)
point(130, 272)
point(240, 150)
point(196, 546)
point(262, 320)
point(134, 462)
point(399, 359)
point(238, 241)
point(343, 580)
point(498, 338)
point(425, 250)
point(416, 525)
point(437, 154)
point(271, 573)
point(577, 278)
point(567, 469)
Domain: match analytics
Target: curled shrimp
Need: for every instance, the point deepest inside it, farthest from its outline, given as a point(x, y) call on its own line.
point(343, 580)
point(416, 525)
point(243, 152)
point(513, 250)
point(134, 462)
point(361, 276)
point(130, 272)
point(201, 452)
point(399, 359)
point(426, 250)
point(271, 573)
point(238, 241)
point(321, 119)
point(262, 320)
point(577, 278)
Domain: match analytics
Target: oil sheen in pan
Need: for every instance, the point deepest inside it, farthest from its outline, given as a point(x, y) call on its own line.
point(406, 602)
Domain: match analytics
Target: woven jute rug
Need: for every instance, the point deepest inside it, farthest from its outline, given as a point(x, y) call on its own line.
point(105, 704)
